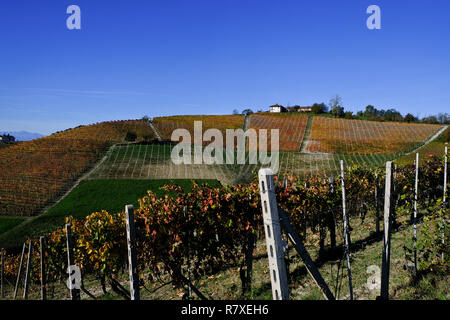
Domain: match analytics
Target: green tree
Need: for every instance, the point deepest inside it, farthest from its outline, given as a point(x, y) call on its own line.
point(336, 108)
point(370, 112)
point(348, 115)
point(410, 118)
point(318, 108)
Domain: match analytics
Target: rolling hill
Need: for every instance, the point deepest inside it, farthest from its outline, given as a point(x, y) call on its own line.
point(37, 174)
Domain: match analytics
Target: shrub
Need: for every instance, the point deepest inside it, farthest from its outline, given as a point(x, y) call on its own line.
point(130, 136)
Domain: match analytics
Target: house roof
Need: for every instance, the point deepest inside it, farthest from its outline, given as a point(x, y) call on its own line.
point(298, 107)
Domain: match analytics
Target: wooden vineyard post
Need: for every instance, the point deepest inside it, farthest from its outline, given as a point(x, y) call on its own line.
point(43, 279)
point(416, 190)
point(346, 233)
point(74, 292)
point(388, 206)
point(132, 259)
point(20, 270)
point(27, 273)
point(444, 200)
point(3, 274)
point(272, 229)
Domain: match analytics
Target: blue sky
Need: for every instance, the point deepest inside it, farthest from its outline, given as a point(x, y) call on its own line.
point(135, 58)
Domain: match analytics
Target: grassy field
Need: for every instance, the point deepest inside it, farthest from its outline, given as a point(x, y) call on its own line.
point(88, 197)
point(112, 195)
point(7, 223)
point(151, 161)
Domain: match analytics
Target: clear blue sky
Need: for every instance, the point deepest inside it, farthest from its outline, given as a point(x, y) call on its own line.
point(135, 58)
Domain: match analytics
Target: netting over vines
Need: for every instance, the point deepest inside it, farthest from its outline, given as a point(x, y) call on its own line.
point(35, 173)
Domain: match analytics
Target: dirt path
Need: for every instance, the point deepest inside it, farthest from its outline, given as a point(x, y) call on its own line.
point(306, 140)
point(155, 131)
point(427, 141)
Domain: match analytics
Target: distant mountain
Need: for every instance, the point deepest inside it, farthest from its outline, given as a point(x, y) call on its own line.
point(23, 135)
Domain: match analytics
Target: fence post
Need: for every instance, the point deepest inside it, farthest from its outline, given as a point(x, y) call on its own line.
point(20, 271)
point(444, 199)
point(132, 259)
point(43, 278)
point(416, 190)
point(272, 229)
point(346, 233)
point(74, 292)
point(27, 273)
point(388, 206)
point(3, 274)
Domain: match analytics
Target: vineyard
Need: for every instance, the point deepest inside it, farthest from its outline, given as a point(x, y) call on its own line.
point(110, 131)
point(291, 128)
point(211, 229)
point(36, 172)
point(366, 137)
point(294, 159)
point(185, 238)
point(33, 173)
point(166, 125)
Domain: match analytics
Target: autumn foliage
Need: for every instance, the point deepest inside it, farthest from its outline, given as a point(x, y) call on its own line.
point(166, 125)
point(366, 137)
point(211, 228)
point(34, 173)
point(291, 128)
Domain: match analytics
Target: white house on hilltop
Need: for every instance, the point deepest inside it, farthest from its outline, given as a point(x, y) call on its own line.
point(277, 108)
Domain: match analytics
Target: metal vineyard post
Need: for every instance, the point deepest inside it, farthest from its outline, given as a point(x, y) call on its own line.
point(416, 190)
point(444, 199)
point(346, 233)
point(132, 259)
point(27, 273)
point(74, 293)
point(388, 206)
point(20, 270)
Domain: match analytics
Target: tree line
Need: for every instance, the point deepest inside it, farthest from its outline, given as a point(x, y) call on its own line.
point(336, 109)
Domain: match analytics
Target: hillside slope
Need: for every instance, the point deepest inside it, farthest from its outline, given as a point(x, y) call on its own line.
point(34, 173)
